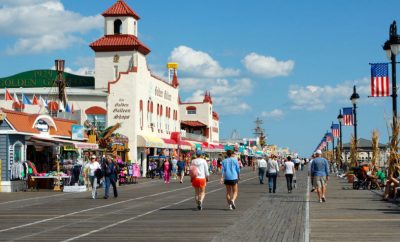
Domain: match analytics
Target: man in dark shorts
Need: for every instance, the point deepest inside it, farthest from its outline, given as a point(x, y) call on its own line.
point(230, 176)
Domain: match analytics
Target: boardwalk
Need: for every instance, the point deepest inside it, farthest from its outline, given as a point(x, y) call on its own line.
point(153, 211)
point(353, 215)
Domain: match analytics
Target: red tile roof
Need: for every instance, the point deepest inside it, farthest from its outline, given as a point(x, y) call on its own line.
point(23, 122)
point(193, 123)
point(120, 8)
point(119, 42)
point(96, 110)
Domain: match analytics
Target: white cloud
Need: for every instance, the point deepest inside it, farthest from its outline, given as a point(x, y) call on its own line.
point(274, 114)
point(199, 64)
point(314, 98)
point(83, 71)
point(267, 66)
point(226, 95)
point(43, 25)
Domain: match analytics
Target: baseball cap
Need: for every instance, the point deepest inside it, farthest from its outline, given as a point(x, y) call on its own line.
point(319, 152)
point(93, 157)
point(199, 152)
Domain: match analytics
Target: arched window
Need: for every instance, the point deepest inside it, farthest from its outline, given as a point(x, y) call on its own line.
point(191, 110)
point(117, 26)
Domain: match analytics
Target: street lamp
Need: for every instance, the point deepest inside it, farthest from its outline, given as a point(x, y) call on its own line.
point(340, 119)
point(392, 48)
point(354, 99)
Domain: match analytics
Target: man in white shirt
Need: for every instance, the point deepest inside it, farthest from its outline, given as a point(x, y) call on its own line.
point(262, 166)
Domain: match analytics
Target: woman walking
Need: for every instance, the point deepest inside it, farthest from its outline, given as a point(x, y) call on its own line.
point(272, 171)
point(110, 169)
point(199, 174)
point(93, 168)
point(166, 168)
point(181, 169)
point(230, 177)
point(289, 173)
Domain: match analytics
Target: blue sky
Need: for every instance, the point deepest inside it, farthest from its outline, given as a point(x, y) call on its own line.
point(291, 63)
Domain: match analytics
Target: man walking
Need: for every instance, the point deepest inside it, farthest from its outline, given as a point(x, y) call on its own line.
point(320, 173)
point(262, 166)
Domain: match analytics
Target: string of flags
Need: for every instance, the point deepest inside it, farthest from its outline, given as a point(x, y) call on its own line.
point(68, 107)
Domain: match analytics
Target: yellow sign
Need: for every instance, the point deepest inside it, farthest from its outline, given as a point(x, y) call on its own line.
point(2, 116)
point(92, 139)
point(172, 65)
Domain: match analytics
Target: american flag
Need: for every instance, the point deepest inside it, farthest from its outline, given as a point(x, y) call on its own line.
point(347, 116)
point(328, 137)
point(379, 80)
point(335, 130)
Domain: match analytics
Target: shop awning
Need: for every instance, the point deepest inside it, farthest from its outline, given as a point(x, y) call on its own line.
point(184, 145)
point(77, 144)
point(170, 144)
point(150, 141)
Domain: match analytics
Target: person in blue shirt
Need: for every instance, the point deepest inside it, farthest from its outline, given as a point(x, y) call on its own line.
point(230, 177)
point(320, 174)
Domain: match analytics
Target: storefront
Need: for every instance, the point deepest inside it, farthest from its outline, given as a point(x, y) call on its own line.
point(36, 146)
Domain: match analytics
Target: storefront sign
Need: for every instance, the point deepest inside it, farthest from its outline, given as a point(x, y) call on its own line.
point(77, 132)
point(163, 94)
point(69, 148)
point(42, 126)
point(44, 78)
point(121, 110)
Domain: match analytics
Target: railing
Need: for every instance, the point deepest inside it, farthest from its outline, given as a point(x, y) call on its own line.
point(195, 137)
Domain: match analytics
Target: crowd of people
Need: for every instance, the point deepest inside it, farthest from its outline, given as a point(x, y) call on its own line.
point(199, 169)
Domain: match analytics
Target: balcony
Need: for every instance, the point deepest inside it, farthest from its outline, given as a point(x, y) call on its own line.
point(194, 137)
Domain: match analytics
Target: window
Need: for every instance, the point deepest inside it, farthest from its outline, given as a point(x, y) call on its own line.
point(115, 72)
point(18, 152)
point(191, 110)
point(98, 121)
point(141, 114)
point(117, 26)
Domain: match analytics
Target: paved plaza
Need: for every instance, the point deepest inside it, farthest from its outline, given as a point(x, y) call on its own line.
point(154, 211)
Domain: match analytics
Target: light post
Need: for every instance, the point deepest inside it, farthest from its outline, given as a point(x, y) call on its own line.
point(340, 119)
point(354, 99)
point(392, 48)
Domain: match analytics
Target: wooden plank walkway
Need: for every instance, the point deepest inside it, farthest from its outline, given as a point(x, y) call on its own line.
point(153, 211)
point(353, 215)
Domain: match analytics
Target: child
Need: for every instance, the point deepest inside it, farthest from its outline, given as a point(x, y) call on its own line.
point(135, 172)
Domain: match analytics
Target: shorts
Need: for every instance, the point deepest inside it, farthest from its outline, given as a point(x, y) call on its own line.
point(319, 181)
point(199, 182)
point(230, 182)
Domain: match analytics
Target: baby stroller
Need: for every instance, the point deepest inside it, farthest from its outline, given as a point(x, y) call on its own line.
point(361, 178)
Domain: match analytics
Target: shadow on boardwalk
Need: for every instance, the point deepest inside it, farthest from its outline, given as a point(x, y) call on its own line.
point(275, 217)
point(353, 215)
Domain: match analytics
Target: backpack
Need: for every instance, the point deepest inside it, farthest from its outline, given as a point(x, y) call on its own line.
point(193, 171)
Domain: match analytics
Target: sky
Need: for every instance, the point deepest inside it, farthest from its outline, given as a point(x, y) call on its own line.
point(291, 63)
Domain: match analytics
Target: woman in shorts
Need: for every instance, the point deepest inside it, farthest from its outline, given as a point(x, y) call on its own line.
point(230, 177)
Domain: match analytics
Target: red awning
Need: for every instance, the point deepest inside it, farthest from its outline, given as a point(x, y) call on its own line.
point(193, 123)
point(169, 141)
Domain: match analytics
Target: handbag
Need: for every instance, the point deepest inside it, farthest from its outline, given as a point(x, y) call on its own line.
point(267, 174)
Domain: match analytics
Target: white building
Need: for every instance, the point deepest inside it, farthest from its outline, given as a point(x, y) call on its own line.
point(123, 91)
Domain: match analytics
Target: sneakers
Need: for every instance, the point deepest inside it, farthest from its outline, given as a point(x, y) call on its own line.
point(230, 207)
point(320, 200)
point(199, 205)
point(233, 204)
point(323, 199)
point(312, 190)
point(270, 190)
